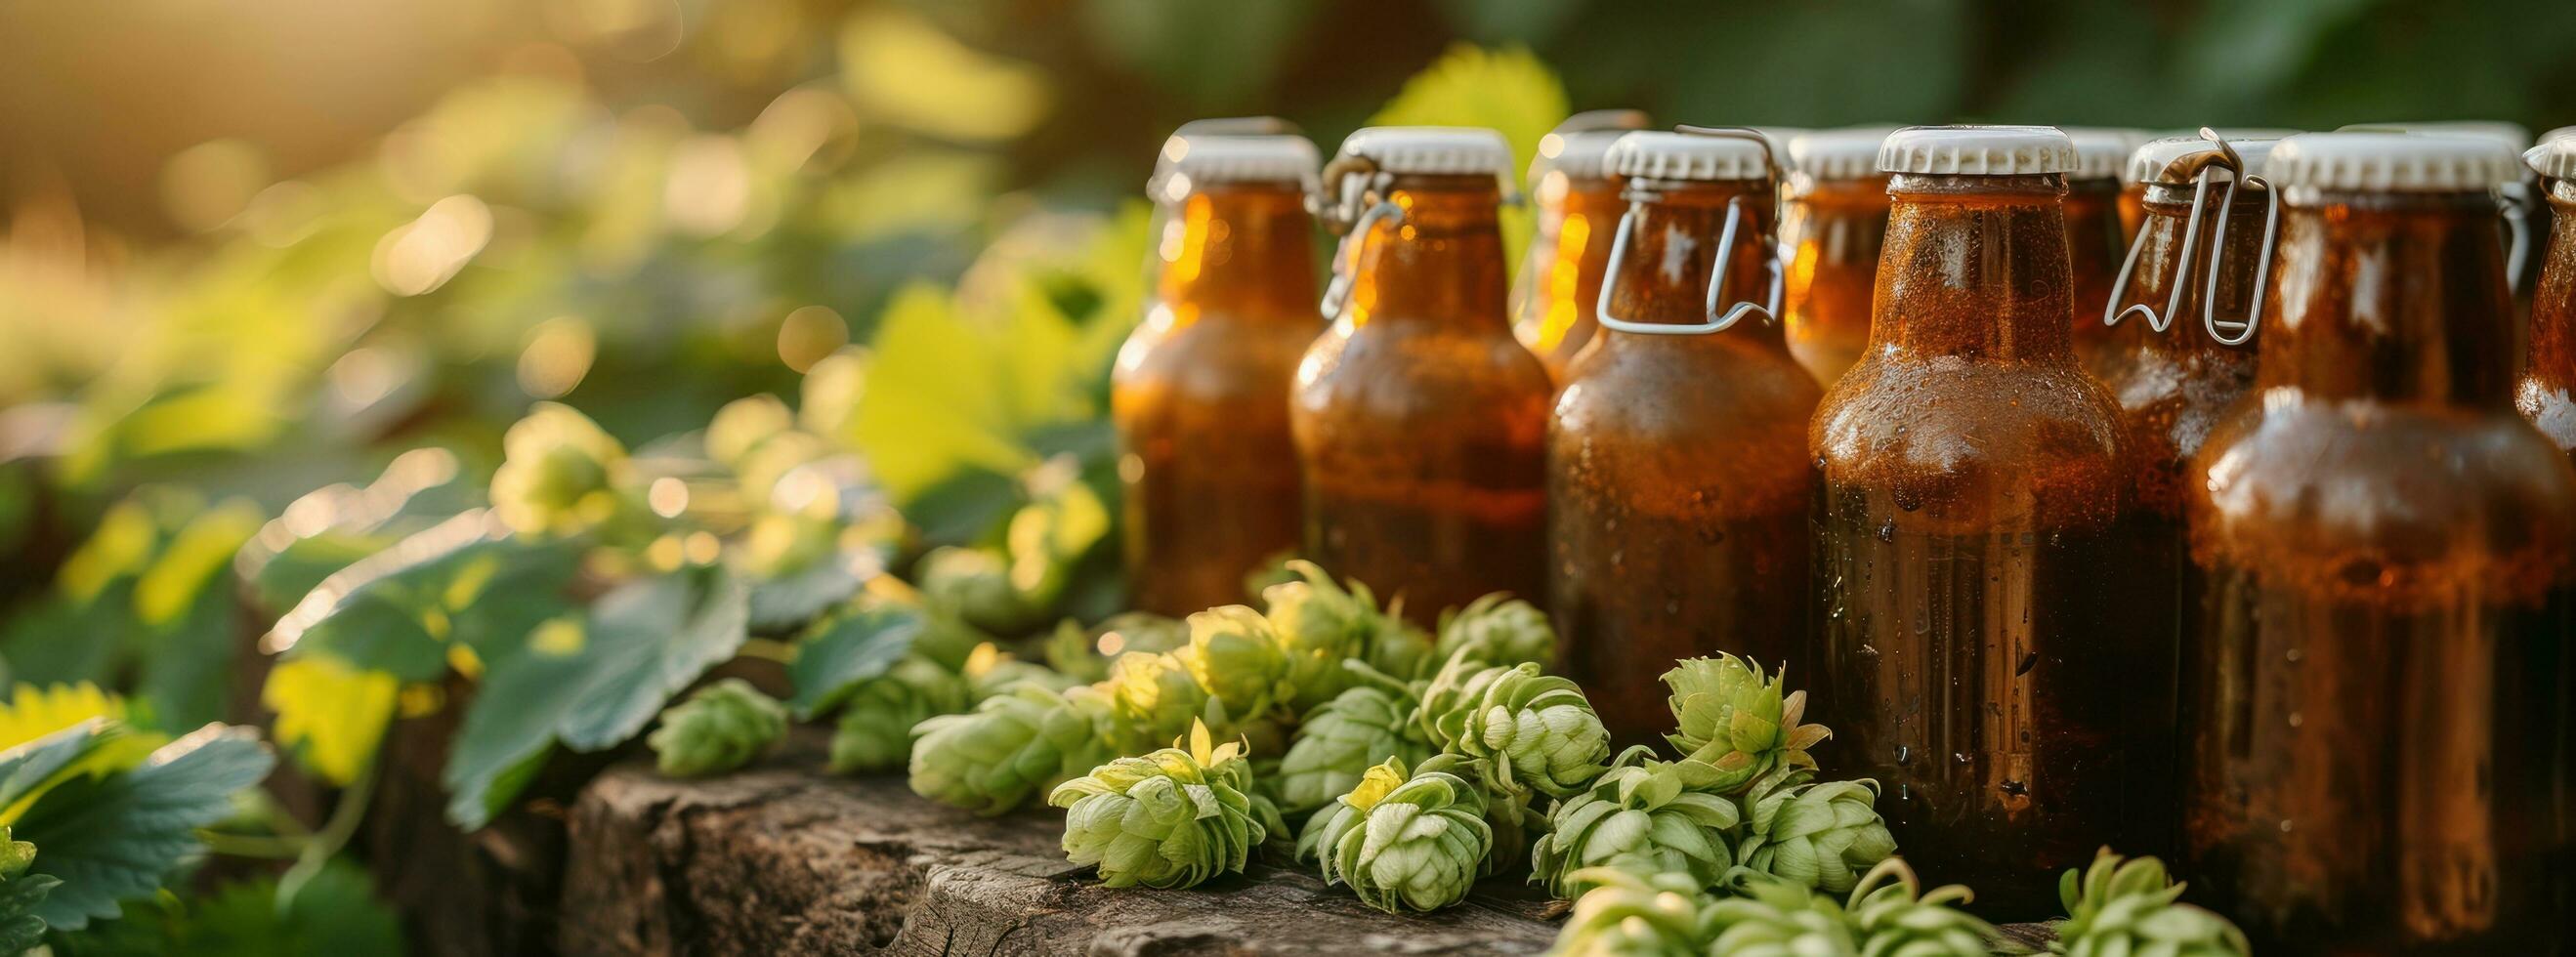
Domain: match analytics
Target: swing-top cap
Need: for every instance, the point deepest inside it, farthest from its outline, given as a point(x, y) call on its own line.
point(1978, 151)
point(1193, 160)
point(1430, 150)
point(1576, 147)
point(2514, 136)
point(2154, 163)
point(2553, 158)
point(1838, 154)
point(2392, 162)
point(2101, 151)
point(1688, 156)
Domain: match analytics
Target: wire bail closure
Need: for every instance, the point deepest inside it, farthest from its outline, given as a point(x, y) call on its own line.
point(1349, 214)
point(1725, 251)
point(2205, 167)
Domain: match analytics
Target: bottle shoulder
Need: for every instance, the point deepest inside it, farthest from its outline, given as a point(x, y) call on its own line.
point(1685, 389)
point(1215, 354)
point(1976, 444)
point(2413, 499)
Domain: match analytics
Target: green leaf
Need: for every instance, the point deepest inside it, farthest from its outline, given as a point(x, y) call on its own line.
point(1507, 90)
point(29, 770)
point(20, 897)
point(115, 838)
point(937, 400)
point(336, 914)
point(847, 650)
point(463, 581)
point(589, 684)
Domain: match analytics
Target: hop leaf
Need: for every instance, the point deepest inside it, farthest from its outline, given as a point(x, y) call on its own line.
point(1319, 625)
point(1237, 658)
point(1403, 842)
point(721, 727)
point(1641, 818)
point(2118, 907)
point(1531, 731)
point(559, 474)
point(1739, 723)
point(1012, 745)
point(1815, 835)
point(875, 728)
point(1497, 630)
point(1341, 739)
point(1632, 915)
point(1170, 819)
point(1894, 918)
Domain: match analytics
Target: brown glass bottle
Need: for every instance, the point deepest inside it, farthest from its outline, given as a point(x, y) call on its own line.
point(1561, 271)
point(2095, 242)
point(1985, 660)
point(1200, 397)
point(1677, 464)
point(2381, 724)
point(1831, 226)
point(1420, 422)
point(2546, 395)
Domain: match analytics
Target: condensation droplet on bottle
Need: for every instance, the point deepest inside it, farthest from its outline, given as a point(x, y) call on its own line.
point(2298, 719)
point(1887, 530)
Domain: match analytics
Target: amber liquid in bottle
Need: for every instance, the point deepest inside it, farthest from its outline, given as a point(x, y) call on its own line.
point(1201, 398)
point(2546, 395)
point(2095, 244)
point(1988, 653)
point(1560, 279)
point(2380, 729)
point(2133, 208)
point(1421, 423)
point(1677, 469)
point(1833, 230)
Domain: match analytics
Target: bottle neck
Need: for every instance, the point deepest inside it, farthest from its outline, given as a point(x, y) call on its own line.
point(1441, 262)
point(2397, 297)
point(1672, 254)
point(2164, 262)
point(1244, 251)
point(1976, 267)
point(2553, 303)
point(1574, 225)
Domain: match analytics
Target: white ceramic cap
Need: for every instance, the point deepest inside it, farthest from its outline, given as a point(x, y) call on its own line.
point(2553, 158)
point(2101, 151)
point(1577, 154)
point(2129, 173)
point(1575, 146)
point(2563, 132)
point(2391, 162)
point(2153, 162)
point(1977, 150)
point(1432, 150)
point(1847, 153)
point(2514, 136)
point(1687, 156)
point(1192, 161)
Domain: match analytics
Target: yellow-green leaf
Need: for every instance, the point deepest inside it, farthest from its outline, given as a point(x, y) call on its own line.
point(331, 713)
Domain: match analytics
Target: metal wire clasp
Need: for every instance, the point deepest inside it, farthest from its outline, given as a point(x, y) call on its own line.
point(1719, 268)
point(1355, 205)
point(2204, 168)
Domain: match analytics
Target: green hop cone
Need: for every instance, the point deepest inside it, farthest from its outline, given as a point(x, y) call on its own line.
point(721, 727)
point(1170, 819)
point(1403, 842)
point(1012, 746)
point(1153, 696)
point(559, 474)
point(974, 585)
point(1632, 915)
point(1395, 647)
point(1532, 731)
point(1084, 654)
point(1769, 917)
point(1237, 658)
point(1893, 918)
point(989, 671)
point(1498, 630)
point(1319, 625)
point(2117, 908)
point(743, 425)
point(875, 728)
point(1733, 719)
point(1815, 835)
point(1641, 817)
point(1341, 739)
